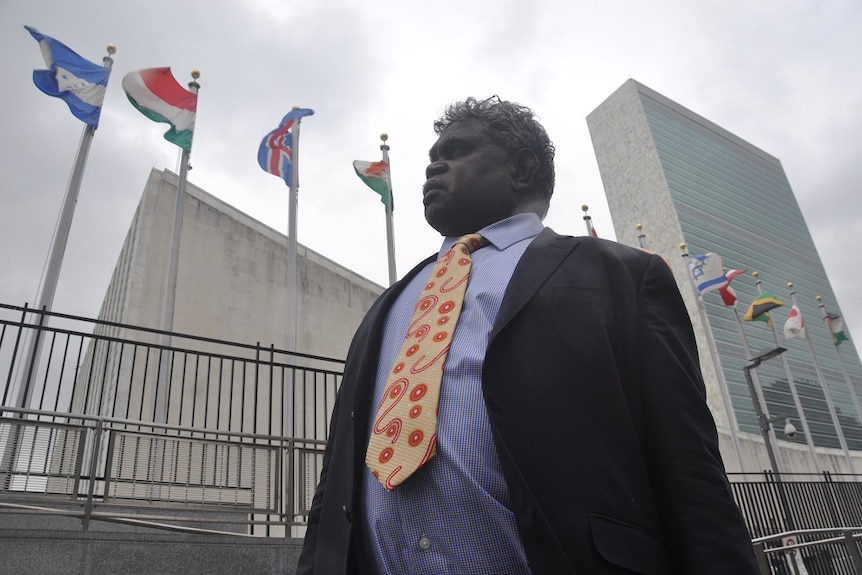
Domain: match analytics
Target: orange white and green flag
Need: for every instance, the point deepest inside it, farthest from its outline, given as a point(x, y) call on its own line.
point(376, 176)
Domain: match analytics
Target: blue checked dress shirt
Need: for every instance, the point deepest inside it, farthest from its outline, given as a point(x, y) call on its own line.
point(453, 516)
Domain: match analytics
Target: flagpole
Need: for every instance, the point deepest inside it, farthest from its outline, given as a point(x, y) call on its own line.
point(161, 401)
point(842, 441)
point(293, 206)
point(722, 382)
point(843, 365)
point(390, 235)
point(588, 221)
point(49, 284)
point(58, 249)
point(642, 237)
point(791, 384)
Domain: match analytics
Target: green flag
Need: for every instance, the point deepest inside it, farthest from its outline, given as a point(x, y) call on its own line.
point(376, 176)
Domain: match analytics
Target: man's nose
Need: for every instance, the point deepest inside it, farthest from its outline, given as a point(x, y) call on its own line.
point(434, 168)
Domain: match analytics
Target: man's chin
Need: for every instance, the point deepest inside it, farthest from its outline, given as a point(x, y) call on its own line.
point(448, 226)
point(433, 220)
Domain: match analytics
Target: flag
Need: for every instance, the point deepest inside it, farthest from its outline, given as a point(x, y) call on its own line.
point(158, 96)
point(836, 328)
point(795, 325)
point(78, 82)
point(376, 176)
point(728, 295)
point(759, 308)
point(275, 153)
point(707, 272)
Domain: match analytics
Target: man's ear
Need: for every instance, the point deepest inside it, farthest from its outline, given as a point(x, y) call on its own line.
point(523, 165)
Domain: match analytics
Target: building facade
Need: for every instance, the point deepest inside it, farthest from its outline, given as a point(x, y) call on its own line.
point(230, 277)
point(230, 286)
point(688, 181)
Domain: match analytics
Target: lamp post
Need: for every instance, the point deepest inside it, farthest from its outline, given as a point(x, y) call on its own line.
point(765, 423)
point(763, 418)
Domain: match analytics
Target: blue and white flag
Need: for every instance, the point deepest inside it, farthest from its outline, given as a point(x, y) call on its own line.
point(707, 272)
point(275, 154)
point(79, 82)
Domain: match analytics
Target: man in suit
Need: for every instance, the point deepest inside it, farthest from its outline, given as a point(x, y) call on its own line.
point(572, 431)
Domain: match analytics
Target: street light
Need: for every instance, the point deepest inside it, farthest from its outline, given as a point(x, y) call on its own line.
point(764, 421)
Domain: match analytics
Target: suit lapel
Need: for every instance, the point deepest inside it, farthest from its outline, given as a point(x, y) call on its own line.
point(540, 260)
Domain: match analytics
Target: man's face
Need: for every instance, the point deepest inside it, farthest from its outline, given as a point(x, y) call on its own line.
point(469, 182)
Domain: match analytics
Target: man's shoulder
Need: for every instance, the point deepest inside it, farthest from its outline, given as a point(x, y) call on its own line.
point(599, 247)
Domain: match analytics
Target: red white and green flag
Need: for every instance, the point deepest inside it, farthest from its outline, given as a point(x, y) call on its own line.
point(158, 96)
point(376, 176)
point(836, 328)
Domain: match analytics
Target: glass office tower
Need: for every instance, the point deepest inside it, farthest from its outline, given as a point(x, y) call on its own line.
point(686, 180)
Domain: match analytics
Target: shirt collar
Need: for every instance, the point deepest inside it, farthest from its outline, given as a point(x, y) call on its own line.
point(504, 233)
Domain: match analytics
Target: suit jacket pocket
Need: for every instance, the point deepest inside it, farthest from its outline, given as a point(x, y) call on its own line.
point(628, 546)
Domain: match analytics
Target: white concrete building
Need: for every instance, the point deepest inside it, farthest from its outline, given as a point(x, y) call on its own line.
point(231, 277)
point(230, 286)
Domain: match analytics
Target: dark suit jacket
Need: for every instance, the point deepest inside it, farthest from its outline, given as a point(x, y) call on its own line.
point(595, 397)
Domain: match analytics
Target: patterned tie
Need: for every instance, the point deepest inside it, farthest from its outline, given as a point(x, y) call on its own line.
point(404, 435)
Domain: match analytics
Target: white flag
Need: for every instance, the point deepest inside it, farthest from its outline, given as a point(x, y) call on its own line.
point(794, 326)
point(707, 272)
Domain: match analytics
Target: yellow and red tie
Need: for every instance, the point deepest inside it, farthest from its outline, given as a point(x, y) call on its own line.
point(404, 434)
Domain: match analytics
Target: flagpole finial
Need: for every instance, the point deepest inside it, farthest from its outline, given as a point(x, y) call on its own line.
point(107, 61)
point(294, 107)
point(682, 246)
point(819, 299)
point(585, 208)
point(384, 136)
point(789, 285)
point(755, 275)
point(193, 85)
point(639, 227)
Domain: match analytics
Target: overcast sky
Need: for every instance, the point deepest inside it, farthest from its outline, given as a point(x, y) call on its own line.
point(784, 75)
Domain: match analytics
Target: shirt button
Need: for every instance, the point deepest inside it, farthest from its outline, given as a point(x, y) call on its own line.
point(424, 543)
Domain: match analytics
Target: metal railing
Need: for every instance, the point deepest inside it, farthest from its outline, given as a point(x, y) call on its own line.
point(96, 415)
point(801, 523)
point(817, 501)
point(58, 362)
point(253, 480)
point(811, 551)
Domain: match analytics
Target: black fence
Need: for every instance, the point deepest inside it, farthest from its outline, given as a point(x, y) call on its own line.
point(63, 363)
point(810, 511)
point(101, 413)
